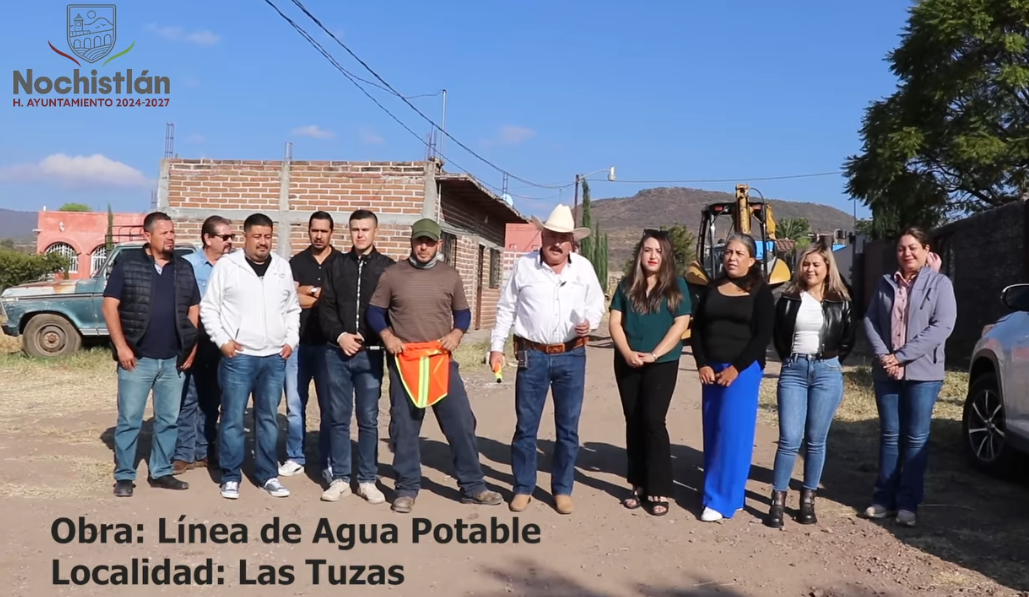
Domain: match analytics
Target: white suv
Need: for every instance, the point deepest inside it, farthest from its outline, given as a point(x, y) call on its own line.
point(996, 417)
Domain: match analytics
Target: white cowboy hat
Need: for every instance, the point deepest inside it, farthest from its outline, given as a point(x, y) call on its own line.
point(561, 221)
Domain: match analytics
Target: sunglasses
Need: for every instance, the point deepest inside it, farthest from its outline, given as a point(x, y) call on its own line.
point(655, 233)
point(224, 237)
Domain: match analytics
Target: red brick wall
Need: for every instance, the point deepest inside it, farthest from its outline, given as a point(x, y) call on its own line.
point(390, 189)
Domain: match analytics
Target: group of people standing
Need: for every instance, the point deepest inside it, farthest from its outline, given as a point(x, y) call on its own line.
point(812, 329)
point(207, 331)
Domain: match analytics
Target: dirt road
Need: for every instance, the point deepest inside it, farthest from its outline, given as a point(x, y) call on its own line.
point(971, 540)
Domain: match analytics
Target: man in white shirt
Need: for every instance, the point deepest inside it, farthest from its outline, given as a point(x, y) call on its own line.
point(252, 313)
point(553, 300)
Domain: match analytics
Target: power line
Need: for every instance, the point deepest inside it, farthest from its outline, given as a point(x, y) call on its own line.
point(304, 9)
point(737, 179)
point(352, 78)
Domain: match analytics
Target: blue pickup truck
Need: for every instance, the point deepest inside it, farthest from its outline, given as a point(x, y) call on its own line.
point(53, 318)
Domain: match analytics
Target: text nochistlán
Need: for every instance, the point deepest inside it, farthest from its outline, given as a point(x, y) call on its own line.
point(119, 83)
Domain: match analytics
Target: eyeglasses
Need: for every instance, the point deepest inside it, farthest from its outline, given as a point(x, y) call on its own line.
point(224, 237)
point(655, 233)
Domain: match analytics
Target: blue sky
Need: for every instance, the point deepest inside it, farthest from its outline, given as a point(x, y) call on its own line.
point(662, 90)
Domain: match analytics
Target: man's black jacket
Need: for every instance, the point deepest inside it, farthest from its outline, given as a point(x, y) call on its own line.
point(349, 284)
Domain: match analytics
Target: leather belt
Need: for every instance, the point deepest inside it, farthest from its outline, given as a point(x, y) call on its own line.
point(523, 344)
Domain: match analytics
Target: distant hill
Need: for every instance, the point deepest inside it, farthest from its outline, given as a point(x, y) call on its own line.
point(625, 218)
point(18, 225)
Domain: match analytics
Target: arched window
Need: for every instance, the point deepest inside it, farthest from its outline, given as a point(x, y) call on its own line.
point(66, 250)
point(97, 259)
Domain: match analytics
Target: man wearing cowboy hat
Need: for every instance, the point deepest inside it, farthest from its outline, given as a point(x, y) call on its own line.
point(553, 300)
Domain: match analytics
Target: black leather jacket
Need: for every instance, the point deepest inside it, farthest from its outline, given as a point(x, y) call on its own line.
point(837, 336)
point(349, 284)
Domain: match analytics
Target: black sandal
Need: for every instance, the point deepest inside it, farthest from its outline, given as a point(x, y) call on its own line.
point(657, 507)
point(634, 500)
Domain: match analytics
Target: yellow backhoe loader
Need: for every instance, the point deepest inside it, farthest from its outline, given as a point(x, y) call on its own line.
point(743, 214)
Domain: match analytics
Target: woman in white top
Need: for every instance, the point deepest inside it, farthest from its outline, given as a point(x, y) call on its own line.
point(814, 332)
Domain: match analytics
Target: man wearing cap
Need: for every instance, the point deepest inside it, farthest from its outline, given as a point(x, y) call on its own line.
point(428, 313)
point(553, 300)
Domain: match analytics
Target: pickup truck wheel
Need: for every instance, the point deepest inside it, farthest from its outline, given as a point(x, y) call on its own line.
point(47, 336)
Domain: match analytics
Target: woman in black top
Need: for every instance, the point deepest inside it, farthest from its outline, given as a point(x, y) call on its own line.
point(732, 327)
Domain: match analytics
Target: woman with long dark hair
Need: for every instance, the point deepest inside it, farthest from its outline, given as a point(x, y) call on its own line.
point(814, 333)
point(732, 327)
point(908, 322)
point(650, 311)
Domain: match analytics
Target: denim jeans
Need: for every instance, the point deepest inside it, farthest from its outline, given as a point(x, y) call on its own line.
point(565, 375)
point(306, 363)
point(456, 420)
point(809, 392)
point(905, 415)
point(240, 376)
point(201, 398)
point(164, 378)
point(355, 380)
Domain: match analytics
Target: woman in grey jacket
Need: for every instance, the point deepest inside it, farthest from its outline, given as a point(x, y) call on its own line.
point(908, 322)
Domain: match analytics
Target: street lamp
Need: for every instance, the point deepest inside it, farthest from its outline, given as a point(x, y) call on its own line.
point(580, 177)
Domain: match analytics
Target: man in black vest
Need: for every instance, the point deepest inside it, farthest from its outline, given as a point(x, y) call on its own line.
point(152, 309)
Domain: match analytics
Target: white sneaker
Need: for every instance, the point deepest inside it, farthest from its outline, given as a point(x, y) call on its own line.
point(275, 488)
point(337, 489)
point(371, 493)
point(710, 515)
point(906, 518)
point(875, 511)
point(230, 490)
point(290, 468)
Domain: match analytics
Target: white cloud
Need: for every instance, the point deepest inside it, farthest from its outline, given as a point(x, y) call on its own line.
point(369, 136)
point(511, 135)
point(77, 172)
point(314, 131)
point(200, 37)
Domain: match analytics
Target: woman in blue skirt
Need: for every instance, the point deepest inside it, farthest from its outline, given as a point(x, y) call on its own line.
point(732, 327)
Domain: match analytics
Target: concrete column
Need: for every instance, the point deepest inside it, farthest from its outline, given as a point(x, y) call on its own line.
point(162, 186)
point(285, 229)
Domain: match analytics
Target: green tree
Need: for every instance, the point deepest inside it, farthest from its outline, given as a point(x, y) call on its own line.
point(75, 207)
point(109, 238)
point(594, 247)
point(683, 247)
point(17, 267)
point(954, 137)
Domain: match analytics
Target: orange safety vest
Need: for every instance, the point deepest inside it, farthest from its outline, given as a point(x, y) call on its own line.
point(424, 369)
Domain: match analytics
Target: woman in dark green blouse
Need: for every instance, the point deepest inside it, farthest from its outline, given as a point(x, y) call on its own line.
point(650, 311)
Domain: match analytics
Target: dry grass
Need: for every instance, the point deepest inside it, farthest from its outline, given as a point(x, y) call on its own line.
point(9, 345)
point(77, 475)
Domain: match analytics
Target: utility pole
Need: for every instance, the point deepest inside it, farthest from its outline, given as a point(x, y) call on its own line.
point(443, 127)
point(575, 205)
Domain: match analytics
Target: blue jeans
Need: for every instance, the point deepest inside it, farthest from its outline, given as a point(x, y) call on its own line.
point(565, 375)
point(809, 393)
point(306, 363)
point(456, 420)
point(905, 415)
point(164, 378)
point(240, 376)
point(201, 397)
point(353, 380)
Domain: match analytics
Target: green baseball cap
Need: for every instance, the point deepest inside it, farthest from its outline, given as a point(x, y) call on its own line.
point(426, 228)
